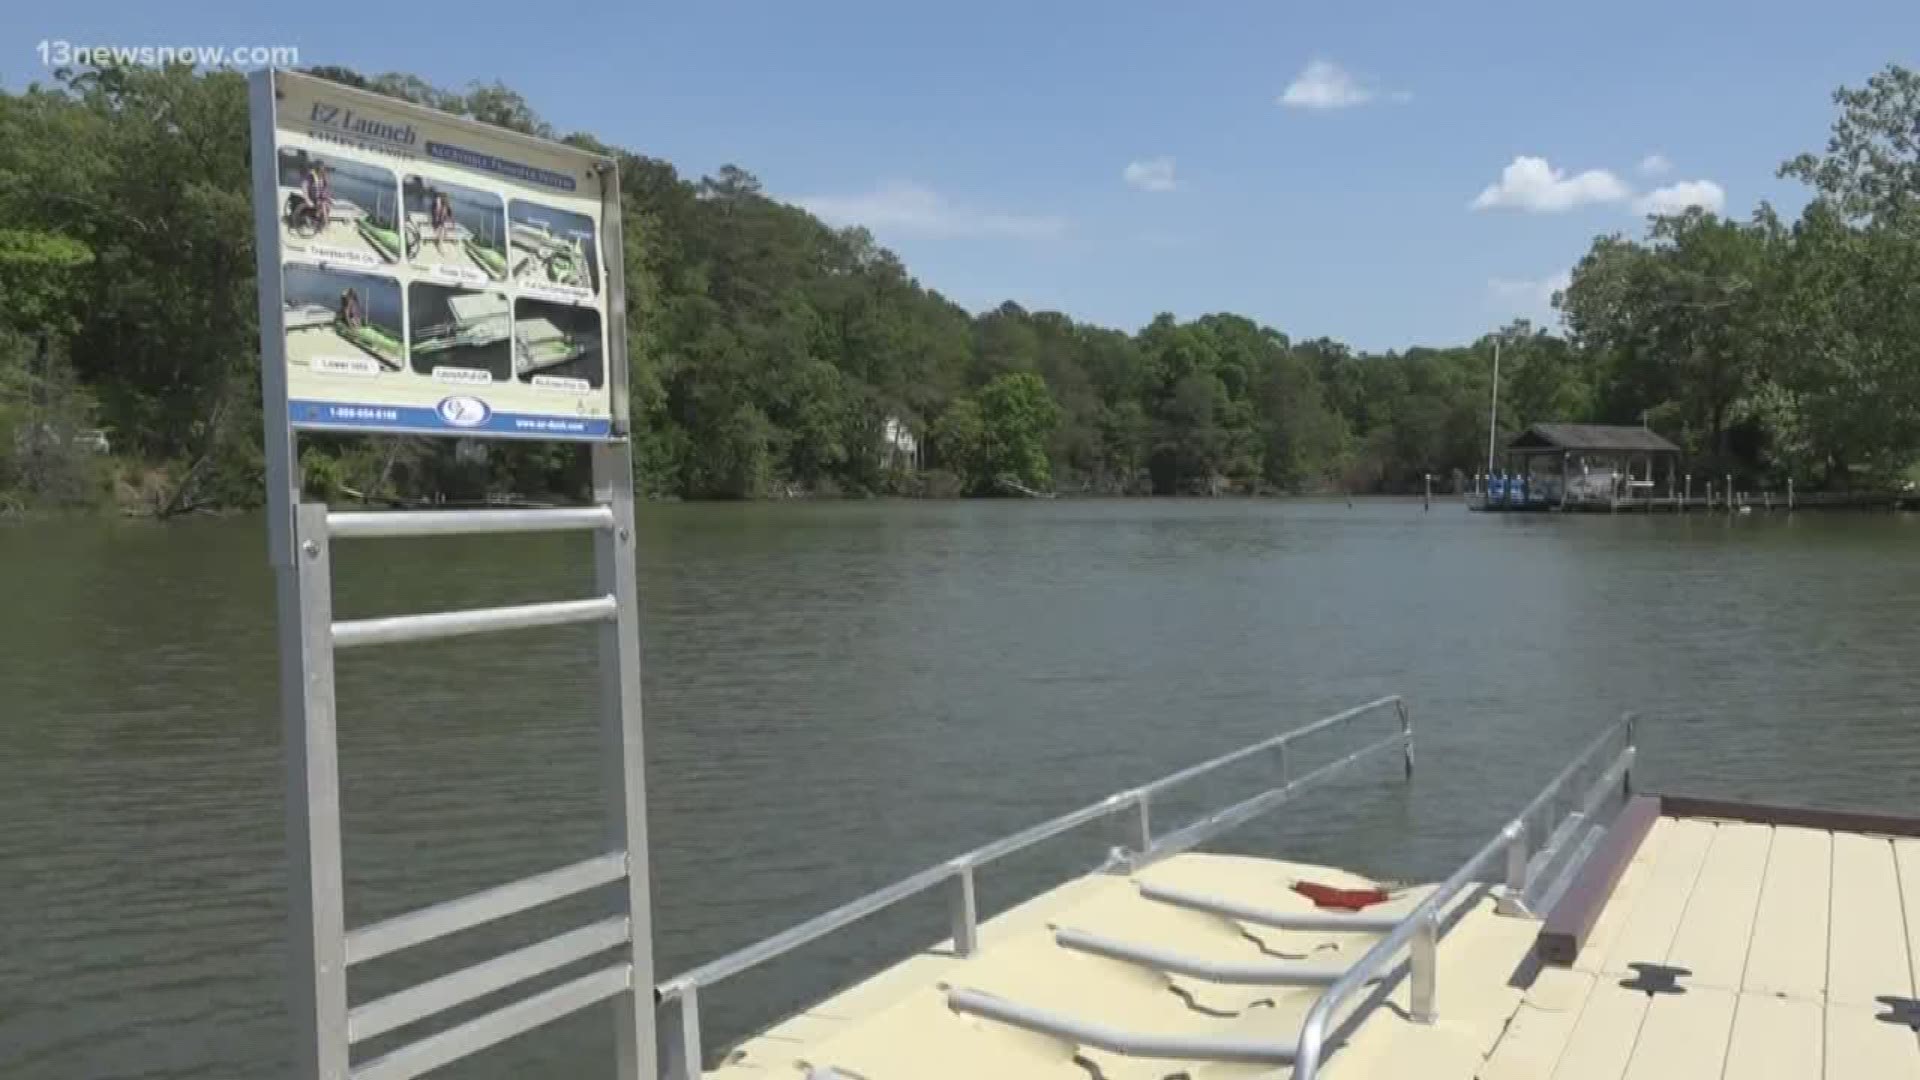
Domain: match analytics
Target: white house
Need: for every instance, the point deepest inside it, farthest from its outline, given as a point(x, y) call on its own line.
point(899, 447)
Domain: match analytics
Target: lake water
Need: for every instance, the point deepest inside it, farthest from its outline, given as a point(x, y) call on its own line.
point(839, 694)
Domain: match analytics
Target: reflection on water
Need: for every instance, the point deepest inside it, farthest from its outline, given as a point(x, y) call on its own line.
point(840, 694)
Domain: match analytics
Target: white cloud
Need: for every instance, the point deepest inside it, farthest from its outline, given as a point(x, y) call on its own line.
point(1656, 165)
point(1150, 174)
point(1528, 293)
point(1323, 84)
point(1674, 198)
point(909, 208)
point(1531, 184)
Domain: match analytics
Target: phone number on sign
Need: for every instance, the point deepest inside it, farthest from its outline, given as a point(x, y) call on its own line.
point(361, 412)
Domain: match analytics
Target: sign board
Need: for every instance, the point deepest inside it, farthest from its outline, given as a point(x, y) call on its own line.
point(430, 274)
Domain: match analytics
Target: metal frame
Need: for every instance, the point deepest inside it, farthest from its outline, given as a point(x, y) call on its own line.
point(1532, 873)
point(1419, 931)
point(681, 993)
point(300, 541)
point(1416, 933)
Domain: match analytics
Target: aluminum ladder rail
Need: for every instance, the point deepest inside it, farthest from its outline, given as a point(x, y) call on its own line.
point(323, 948)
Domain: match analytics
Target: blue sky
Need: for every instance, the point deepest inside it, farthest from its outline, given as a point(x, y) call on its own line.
point(989, 142)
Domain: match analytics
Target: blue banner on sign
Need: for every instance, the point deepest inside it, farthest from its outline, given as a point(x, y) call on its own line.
point(474, 159)
point(455, 415)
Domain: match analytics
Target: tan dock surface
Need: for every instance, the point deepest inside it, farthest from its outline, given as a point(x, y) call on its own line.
point(1727, 949)
point(1750, 952)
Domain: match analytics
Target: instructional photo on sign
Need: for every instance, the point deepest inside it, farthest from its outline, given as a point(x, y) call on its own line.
point(342, 323)
point(557, 345)
point(336, 210)
point(554, 251)
point(454, 231)
point(458, 335)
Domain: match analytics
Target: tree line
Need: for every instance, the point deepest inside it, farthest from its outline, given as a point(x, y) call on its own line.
point(772, 354)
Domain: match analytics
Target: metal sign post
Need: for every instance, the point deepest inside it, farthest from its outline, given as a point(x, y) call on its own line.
point(542, 311)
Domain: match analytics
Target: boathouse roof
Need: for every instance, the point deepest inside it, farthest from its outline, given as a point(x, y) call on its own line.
point(1592, 438)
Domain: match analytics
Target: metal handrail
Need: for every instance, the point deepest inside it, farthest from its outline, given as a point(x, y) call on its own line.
point(1420, 930)
point(957, 873)
point(1221, 821)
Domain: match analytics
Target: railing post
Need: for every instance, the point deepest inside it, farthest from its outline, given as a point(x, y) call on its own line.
point(1144, 800)
point(1633, 743)
point(1517, 859)
point(1514, 900)
point(1406, 729)
point(1426, 964)
point(682, 1043)
point(965, 916)
point(317, 964)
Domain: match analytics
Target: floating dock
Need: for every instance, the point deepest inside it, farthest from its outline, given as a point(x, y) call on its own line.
point(1743, 502)
point(1630, 937)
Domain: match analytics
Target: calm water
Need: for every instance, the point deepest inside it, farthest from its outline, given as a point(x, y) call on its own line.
point(840, 694)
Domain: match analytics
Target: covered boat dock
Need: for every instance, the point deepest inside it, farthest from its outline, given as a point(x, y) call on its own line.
point(1582, 467)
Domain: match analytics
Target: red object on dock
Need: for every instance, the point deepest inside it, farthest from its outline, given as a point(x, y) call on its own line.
point(1326, 896)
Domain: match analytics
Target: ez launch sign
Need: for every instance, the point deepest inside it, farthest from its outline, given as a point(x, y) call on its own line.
point(431, 274)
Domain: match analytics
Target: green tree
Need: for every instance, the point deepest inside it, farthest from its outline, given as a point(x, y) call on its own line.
point(1019, 414)
point(1871, 170)
point(999, 435)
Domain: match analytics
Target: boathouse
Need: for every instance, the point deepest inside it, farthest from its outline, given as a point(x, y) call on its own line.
point(1581, 465)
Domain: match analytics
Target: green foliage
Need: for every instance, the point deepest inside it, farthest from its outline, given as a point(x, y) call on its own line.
point(1774, 350)
point(39, 273)
point(1871, 169)
point(48, 456)
point(1019, 414)
point(769, 352)
point(960, 444)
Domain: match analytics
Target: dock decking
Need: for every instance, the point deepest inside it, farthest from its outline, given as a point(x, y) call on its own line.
point(1737, 949)
point(1743, 502)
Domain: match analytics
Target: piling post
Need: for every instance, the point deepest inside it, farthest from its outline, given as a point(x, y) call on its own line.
point(1427, 503)
point(1789, 494)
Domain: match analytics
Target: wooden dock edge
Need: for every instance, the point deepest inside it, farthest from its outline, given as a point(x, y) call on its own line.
point(1566, 926)
point(1804, 817)
point(1564, 931)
